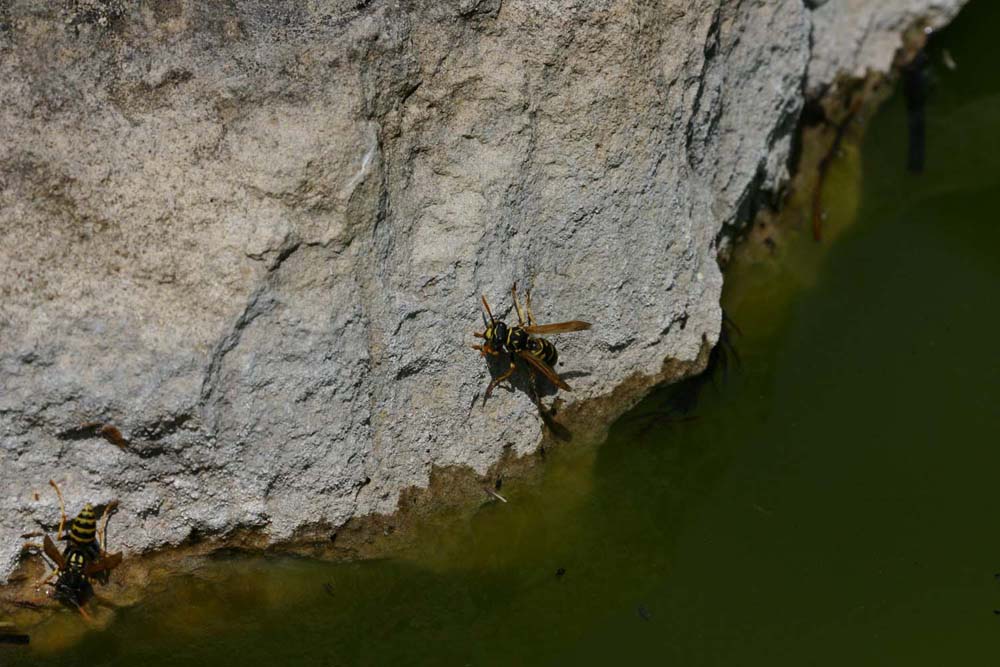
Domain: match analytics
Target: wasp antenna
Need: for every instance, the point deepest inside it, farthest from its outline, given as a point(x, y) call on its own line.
point(62, 509)
point(487, 306)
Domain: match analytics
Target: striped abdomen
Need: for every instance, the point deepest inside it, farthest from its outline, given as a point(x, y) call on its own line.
point(544, 350)
point(83, 528)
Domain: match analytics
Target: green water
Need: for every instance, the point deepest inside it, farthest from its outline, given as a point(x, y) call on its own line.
point(829, 500)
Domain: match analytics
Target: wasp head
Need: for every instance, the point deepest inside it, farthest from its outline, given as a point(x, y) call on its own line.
point(496, 334)
point(72, 587)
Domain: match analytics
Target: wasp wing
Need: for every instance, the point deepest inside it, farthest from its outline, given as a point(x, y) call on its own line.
point(559, 327)
point(544, 369)
point(52, 551)
point(103, 565)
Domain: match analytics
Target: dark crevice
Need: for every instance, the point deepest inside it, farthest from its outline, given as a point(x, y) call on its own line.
point(475, 8)
point(283, 254)
point(410, 369)
point(747, 207)
point(709, 53)
point(258, 304)
point(159, 429)
point(82, 432)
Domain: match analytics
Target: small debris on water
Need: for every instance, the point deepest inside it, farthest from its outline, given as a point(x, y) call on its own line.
point(949, 62)
point(560, 572)
point(493, 493)
point(328, 587)
point(644, 613)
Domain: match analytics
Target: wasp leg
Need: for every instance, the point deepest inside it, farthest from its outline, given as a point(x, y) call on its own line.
point(544, 411)
point(497, 380)
point(534, 388)
point(102, 534)
point(96, 599)
point(62, 510)
point(517, 306)
point(84, 613)
point(47, 579)
point(41, 549)
point(485, 349)
point(527, 308)
point(548, 415)
point(55, 569)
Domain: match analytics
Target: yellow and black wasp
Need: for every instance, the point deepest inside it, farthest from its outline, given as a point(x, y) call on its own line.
point(520, 342)
point(84, 559)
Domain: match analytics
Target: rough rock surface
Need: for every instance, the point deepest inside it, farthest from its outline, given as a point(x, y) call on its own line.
point(252, 234)
point(851, 37)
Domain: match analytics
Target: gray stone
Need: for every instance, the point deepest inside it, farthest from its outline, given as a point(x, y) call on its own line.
point(252, 235)
point(852, 37)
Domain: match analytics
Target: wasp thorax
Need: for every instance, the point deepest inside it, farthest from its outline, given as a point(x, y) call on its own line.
point(499, 333)
point(518, 339)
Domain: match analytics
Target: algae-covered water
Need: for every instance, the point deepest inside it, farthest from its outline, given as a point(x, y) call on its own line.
point(828, 498)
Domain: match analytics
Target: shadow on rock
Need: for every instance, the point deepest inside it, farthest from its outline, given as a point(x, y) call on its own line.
point(533, 385)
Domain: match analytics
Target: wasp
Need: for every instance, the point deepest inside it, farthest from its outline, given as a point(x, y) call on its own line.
point(520, 342)
point(84, 559)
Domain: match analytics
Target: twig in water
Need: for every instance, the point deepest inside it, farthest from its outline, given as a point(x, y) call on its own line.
point(493, 493)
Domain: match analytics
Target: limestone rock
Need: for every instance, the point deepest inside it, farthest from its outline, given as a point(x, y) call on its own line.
point(252, 235)
point(851, 37)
